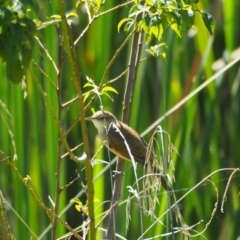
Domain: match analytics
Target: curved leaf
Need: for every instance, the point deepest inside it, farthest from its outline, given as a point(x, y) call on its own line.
point(109, 89)
point(122, 22)
point(208, 21)
point(88, 85)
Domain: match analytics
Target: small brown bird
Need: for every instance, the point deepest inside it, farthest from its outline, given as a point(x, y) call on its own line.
point(123, 141)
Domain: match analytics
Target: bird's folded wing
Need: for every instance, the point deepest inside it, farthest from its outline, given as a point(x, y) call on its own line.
point(122, 141)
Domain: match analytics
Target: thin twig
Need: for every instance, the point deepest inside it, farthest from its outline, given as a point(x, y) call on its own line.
point(91, 20)
point(186, 194)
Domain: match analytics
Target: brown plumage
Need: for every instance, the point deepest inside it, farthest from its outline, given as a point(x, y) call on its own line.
point(114, 133)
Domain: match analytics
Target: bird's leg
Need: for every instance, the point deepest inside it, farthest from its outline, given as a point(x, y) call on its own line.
point(117, 173)
point(122, 172)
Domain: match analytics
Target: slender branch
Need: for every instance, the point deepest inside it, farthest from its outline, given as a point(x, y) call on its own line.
point(72, 57)
point(108, 67)
point(48, 56)
point(114, 57)
point(58, 189)
point(44, 73)
point(91, 20)
point(127, 105)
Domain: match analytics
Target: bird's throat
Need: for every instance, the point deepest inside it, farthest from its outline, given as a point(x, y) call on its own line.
point(102, 130)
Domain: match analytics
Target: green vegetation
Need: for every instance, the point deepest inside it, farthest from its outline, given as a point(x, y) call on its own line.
point(168, 68)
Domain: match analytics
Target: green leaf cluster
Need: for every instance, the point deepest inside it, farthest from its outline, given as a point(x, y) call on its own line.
point(155, 16)
point(16, 38)
point(92, 5)
point(97, 90)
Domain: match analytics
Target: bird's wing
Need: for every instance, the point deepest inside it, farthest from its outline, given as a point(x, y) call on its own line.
point(136, 145)
point(122, 139)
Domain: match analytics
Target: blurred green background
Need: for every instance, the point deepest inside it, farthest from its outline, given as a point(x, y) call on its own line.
point(205, 130)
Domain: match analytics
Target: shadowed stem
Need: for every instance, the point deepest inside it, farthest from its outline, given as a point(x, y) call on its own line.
point(133, 65)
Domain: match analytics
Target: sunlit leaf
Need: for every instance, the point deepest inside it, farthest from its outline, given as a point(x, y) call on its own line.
point(98, 3)
point(176, 28)
point(87, 94)
point(109, 89)
point(149, 2)
point(78, 3)
point(186, 7)
point(176, 17)
point(122, 22)
point(148, 38)
point(157, 31)
point(88, 85)
point(158, 50)
point(72, 15)
point(78, 205)
point(108, 96)
point(56, 16)
point(171, 6)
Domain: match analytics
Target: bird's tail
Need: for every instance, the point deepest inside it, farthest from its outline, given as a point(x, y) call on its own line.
point(162, 179)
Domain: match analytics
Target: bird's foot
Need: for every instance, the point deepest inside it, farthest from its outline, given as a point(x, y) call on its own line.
point(116, 173)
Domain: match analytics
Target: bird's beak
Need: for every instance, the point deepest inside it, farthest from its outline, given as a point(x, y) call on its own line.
point(89, 118)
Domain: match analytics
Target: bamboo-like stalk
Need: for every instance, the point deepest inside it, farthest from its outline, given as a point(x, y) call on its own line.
point(72, 57)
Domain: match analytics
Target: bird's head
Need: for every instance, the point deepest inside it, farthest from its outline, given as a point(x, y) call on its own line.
point(102, 120)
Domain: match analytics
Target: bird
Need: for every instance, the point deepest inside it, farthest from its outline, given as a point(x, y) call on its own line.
point(123, 140)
